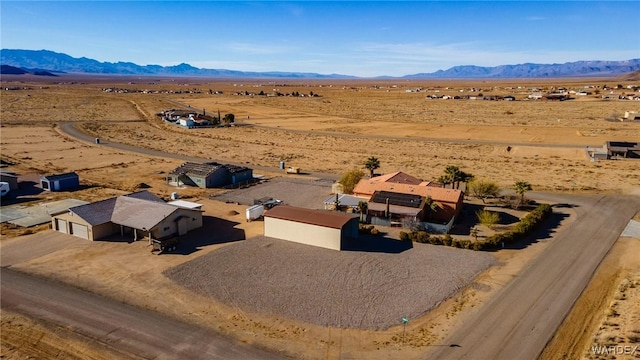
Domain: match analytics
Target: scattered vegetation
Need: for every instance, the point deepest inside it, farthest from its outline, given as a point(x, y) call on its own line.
point(484, 189)
point(519, 231)
point(488, 218)
point(350, 179)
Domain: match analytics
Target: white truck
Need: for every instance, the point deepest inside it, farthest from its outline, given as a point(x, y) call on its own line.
point(255, 212)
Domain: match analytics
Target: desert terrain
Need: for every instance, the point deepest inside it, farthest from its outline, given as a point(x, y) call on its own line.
point(541, 142)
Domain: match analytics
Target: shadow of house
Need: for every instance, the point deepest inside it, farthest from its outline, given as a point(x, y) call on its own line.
point(543, 232)
point(376, 243)
point(213, 231)
point(209, 175)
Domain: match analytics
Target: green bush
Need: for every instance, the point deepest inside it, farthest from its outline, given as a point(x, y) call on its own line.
point(520, 230)
point(422, 237)
point(404, 236)
point(447, 240)
point(374, 231)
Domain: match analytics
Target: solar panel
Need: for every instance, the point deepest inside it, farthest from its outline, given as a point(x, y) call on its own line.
point(398, 199)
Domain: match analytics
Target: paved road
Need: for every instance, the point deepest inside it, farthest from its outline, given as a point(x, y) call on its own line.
point(522, 317)
point(128, 330)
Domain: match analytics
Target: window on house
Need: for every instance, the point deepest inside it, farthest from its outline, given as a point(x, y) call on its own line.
point(166, 228)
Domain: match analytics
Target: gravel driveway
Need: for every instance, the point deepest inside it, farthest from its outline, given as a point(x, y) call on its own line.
point(349, 289)
point(304, 193)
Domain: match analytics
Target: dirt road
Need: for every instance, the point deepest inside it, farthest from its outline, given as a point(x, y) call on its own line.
point(71, 130)
point(519, 321)
point(131, 331)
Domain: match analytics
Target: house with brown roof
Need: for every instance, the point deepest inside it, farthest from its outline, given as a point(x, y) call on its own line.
point(140, 214)
point(327, 229)
point(399, 198)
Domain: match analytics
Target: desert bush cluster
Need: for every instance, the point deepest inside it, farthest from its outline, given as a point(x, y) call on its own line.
point(519, 231)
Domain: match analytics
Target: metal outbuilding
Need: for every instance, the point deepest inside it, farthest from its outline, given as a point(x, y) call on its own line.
point(60, 182)
point(327, 229)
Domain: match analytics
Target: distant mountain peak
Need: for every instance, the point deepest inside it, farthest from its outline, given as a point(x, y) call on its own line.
point(59, 62)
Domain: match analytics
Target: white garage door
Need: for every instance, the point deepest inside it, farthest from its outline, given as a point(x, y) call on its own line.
point(79, 230)
point(61, 225)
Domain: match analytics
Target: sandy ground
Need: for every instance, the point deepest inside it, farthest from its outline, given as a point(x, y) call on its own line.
point(608, 312)
point(389, 117)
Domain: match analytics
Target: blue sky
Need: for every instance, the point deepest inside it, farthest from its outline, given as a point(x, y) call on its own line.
point(363, 38)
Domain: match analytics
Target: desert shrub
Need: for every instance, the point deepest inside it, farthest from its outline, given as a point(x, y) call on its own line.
point(520, 230)
point(350, 179)
point(478, 245)
point(374, 231)
point(366, 229)
point(404, 236)
point(483, 189)
point(488, 218)
point(447, 240)
point(422, 237)
point(464, 244)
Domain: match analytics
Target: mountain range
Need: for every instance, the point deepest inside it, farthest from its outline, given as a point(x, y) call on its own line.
point(53, 62)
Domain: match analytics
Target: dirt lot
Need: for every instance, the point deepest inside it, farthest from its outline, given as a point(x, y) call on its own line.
point(332, 133)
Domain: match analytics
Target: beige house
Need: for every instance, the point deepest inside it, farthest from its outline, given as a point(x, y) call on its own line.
point(327, 229)
point(139, 215)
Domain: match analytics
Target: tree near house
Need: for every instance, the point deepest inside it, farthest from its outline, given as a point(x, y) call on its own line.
point(229, 118)
point(484, 189)
point(521, 187)
point(431, 206)
point(350, 179)
point(454, 176)
point(372, 164)
point(363, 207)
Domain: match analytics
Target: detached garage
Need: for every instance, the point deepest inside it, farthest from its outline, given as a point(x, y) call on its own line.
point(327, 229)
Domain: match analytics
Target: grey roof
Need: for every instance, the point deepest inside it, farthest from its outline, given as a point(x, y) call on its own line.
point(60, 176)
point(101, 212)
point(206, 169)
point(345, 200)
point(197, 169)
point(140, 214)
point(95, 213)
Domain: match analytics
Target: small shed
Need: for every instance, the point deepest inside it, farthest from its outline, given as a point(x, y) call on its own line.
point(10, 178)
point(327, 229)
point(60, 182)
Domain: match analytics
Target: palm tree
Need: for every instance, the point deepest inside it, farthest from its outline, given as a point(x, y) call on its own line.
point(362, 208)
point(372, 164)
point(521, 188)
point(445, 180)
point(453, 173)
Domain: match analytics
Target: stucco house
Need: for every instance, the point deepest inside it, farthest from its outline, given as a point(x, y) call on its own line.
point(398, 197)
point(140, 215)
